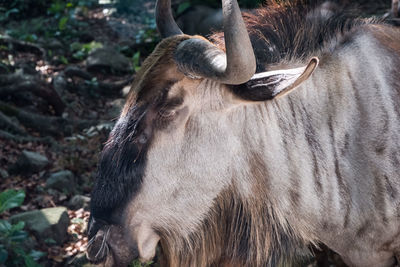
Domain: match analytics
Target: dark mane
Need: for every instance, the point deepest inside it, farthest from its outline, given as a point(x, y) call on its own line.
point(291, 30)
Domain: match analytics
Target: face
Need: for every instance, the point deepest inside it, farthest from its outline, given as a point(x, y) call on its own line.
point(187, 165)
point(169, 156)
point(179, 145)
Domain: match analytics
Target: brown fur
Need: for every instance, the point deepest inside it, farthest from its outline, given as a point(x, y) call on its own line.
point(283, 31)
point(244, 231)
point(247, 231)
point(156, 74)
point(237, 232)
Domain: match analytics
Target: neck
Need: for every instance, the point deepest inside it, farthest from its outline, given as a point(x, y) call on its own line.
point(237, 232)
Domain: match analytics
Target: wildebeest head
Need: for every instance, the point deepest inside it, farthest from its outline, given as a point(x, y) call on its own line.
point(176, 150)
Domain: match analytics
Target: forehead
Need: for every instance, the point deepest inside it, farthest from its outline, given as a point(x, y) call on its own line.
point(158, 72)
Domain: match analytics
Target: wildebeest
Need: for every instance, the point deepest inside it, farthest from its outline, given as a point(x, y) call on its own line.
point(244, 150)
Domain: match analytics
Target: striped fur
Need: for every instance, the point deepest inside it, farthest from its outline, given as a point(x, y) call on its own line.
point(229, 182)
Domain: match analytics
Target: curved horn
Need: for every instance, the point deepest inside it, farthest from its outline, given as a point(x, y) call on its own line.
point(166, 24)
point(199, 57)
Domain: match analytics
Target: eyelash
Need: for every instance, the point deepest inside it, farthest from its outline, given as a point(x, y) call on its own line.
point(166, 113)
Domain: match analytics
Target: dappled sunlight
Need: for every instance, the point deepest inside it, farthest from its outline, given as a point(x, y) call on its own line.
point(66, 67)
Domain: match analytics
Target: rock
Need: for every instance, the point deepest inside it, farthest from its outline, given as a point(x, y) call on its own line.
point(4, 174)
point(29, 162)
point(115, 108)
point(92, 115)
point(105, 127)
point(78, 202)
point(53, 44)
point(62, 181)
point(86, 37)
point(201, 20)
point(126, 90)
point(60, 84)
point(108, 59)
point(45, 224)
point(4, 69)
point(28, 68)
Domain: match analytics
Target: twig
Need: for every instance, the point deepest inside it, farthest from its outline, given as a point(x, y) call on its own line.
point(14, 83)
point(8, 124)
point(113, 88)
point(25, 139)
point(45, 125)
point(104, 88)
point(73, 71)
point(23, 46)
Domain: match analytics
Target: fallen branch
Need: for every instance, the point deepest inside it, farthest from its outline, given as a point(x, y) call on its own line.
point(8, 124)
point(45, 125)
point(25, 139)
point(104, 88)
point(115, 87)
point(11, 84)
point(23, 46)
point(73, 71)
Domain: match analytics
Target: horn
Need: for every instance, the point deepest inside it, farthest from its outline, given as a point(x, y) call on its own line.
point(166, 24)
point(200, 58)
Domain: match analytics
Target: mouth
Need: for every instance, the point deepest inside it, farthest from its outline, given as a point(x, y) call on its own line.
point(112, 245)
point(108, 246)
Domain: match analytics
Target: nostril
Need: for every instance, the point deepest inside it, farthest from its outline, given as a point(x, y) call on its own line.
point(98, 249)
point(109, 246)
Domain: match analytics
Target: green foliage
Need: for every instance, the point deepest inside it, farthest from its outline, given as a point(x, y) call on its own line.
point(62, 23)
point(43, 18)
point(136, 61)
point(18, 8)
point(183, 6)
point(12, 236)
point(137, 263)
point(149, 34)
point(11, 199)
point(81, 51)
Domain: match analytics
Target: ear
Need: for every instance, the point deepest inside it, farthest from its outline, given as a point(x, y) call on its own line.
point(268, 85)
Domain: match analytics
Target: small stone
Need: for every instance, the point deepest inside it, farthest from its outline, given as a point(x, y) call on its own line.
point(62, 181)
point(45, 224)
point(78, 202)
point(29, 162)
point(115, 107)
point(4, 174)
point(60, 84)
point(53, 44)
point(4, 69)
point(86, 37)
point(126, 90)
point(108, 59)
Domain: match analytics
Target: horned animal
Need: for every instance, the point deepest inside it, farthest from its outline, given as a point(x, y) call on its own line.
point(246, 148)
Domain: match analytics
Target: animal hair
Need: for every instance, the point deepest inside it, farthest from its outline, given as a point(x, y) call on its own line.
point(236, 232)
point(295, 30)
point(248, 231)
point(122, 162)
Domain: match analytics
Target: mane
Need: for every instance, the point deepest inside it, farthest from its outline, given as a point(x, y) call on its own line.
point(295, 30)
point(236, 232)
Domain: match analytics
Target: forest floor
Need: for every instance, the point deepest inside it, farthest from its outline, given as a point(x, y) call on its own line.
point(59, 97)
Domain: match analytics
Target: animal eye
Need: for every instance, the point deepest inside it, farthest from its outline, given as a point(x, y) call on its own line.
point(167, 113)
